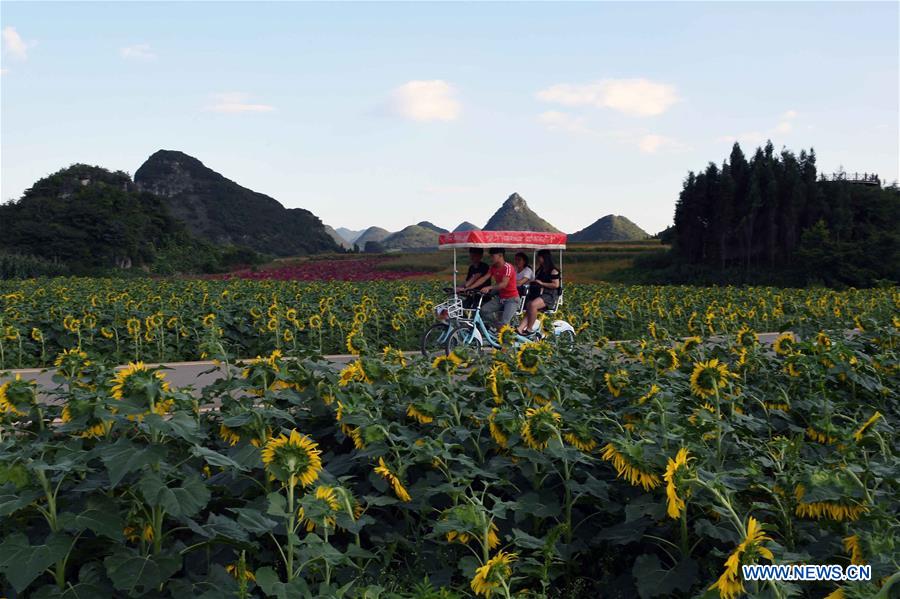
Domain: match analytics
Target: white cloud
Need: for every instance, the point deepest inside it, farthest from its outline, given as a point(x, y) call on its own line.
point(137, 52)
point(562, 121)
point(784, 126)
point(236, 102)
point(14, 45)
point(650, 143)
point(426, 101)
point(634, 97)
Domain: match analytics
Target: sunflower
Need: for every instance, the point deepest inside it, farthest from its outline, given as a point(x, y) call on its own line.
point(448, 363)
point(747, 337)
point(729, 584)
point(138, 381)
point(506, 335)
point(654, 389)
point(540, 425)
point(690, 343)
point(497, 428)
point(833, 510)
point(324, 504)
point(393, 356)
point(626, 467)
point(675, 505)
point(665, 359)
point(133, 325)
point(823, 342)
point(292, 458)
point(469, 523)
point(72, 363)
point(315, 321)
point(709, 376)
point(107, 333)
point(784, 344)
point(287, 335)
point(820, 437)
point(98, 429)
point(353, 373)
point(240, 572)
point(494, 574)
point(36, 334)
point(355, 341)
point(616, 381)
point(853, 547)
point(209, 320)
point(229, 435)
point(858, 435)
point(581, 438)
point(528, 358)
point(420, 413)
point(496, 375)
point(393, 479)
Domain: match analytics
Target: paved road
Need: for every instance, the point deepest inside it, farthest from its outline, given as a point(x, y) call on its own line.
point(201, 374)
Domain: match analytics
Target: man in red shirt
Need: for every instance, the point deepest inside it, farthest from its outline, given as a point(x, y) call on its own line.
point(507, 299)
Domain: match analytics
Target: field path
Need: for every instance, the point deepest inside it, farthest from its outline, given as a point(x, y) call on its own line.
point(201, 374)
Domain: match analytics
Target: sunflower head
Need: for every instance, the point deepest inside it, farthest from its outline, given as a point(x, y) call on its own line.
point(528, 358)
point(72, 363)
point(580, 436)
point(707, 377)
point(630, 464)
point(690, 344)
point(495, 380)
point(354, 372)
point(490, 577)
point(616, 381)
point(142, 388)
point(393, 480)
point(79, 417)
point(465, 522)
point(501, 424)
point(676, 493)
point(393, 356)
point(506, 336)
point(356, 341)
point(746, 337)
point(17, 397)
point(292, 458)
point(665, 359)
point(540, 425)
point(320, 509)
point(784, 344)
point(448, 363)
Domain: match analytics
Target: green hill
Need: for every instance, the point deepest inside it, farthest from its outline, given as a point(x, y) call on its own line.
point(610, 228)
point(427, 225)
point(465, 226)
point(515, 215)
point(223, 212)
point(371, 234)
point(88, 218)
point(413, 237)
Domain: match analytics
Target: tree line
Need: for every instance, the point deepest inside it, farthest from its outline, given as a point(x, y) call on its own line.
point(773, 213)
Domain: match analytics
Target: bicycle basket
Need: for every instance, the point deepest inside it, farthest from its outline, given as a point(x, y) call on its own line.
point(452, 308)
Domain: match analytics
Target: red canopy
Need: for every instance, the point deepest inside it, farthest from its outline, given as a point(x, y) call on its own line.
point(506, 239)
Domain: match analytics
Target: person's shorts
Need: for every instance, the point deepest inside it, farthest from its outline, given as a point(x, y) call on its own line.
point(549, 299)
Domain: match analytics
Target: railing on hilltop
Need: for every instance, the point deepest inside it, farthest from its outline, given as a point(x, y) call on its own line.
point(860, 178)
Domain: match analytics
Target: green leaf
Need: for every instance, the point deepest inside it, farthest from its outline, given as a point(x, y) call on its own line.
point(10, 504)
point(653, 580)
point(214, 458)
point(124, 457)
point(253, 521)
point(277, 505)
point(268, 581)
point(22, 562)
point(101, 522)
point(186, 500)
point(138, 574)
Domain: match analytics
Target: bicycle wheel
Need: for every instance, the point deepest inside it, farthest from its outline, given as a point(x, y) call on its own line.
point(566, 338)
point(460, 338)
point(434, 339)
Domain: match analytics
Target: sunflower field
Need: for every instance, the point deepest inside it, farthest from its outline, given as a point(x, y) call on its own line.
point(164, 320)
point(648, 468)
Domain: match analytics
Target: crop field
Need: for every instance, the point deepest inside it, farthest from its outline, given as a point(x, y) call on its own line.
point(122, 320)
point(652, 467)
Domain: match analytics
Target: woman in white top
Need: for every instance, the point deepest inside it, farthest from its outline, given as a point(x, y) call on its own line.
point(524, 274)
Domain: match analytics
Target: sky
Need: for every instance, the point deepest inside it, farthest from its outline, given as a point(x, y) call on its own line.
point(391, 113)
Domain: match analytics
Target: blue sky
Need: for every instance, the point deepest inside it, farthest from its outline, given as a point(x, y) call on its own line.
point(387, 114)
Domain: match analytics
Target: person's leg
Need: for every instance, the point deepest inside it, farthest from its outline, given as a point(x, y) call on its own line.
point(533, 310)
point(510, 306)
point(489, 310)
point(523, 324)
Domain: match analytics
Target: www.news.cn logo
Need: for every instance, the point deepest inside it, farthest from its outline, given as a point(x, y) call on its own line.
point(807, 572)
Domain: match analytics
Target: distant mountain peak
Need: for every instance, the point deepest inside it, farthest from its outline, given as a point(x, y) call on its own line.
point(611, 227)
point(225, 212)
point(515, 215)
point(465, 226)
point(427, 225)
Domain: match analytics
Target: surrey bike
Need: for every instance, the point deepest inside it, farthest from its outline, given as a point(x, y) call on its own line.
point(450, 314)
point(467, 326)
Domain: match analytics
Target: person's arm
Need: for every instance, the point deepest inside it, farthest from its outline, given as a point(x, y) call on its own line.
point(527, 275)
point(554, 280)
point(478, 282)
point(509, 272)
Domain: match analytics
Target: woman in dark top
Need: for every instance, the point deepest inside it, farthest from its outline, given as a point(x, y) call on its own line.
point(543, 291)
